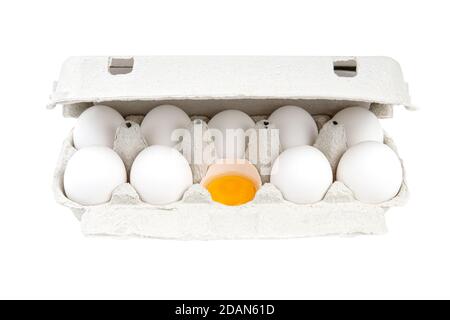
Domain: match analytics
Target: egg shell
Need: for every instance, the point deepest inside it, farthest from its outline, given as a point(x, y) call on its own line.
point(360, 125)
point(92, 174)
point(96, 126)
point(160, 123)
point(243, 168)
point(372, 171)
point(302, 174)
point(235, 193)
point(160, 175)
point(297, 127)
point(230, 123)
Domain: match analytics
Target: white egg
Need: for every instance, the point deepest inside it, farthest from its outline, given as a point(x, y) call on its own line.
point(229, 129)
point(96, 126)
point(297, 127)
point(160, 123)
point(372, 171)
point(302, 174)
point(160, 175)
point(92, 174)
point(360, 125)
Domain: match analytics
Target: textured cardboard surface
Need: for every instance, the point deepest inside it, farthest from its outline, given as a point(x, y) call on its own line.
point(209, 84)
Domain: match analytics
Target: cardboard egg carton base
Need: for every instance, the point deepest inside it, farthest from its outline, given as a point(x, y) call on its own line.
point(197, 217)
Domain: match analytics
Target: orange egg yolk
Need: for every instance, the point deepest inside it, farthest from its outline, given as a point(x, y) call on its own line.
point(232, 190)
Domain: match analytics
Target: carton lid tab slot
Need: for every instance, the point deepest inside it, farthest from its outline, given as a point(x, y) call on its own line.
point(120, 65)
point(345, 68)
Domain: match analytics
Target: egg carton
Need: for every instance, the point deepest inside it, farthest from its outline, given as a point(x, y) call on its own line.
point(204, 86)
point(196, 216)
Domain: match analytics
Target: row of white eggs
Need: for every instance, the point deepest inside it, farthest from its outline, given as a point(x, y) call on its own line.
point(160, 174)
point(97, 126)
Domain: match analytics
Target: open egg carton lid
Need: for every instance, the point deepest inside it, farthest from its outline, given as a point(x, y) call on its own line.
point(208, 84)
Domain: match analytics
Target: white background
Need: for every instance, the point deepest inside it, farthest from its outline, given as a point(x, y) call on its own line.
point(42, 251)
